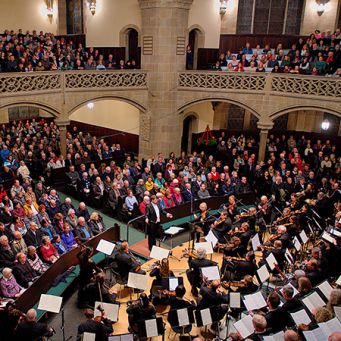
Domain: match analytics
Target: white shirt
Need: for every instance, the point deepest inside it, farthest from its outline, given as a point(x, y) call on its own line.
point(157, 211)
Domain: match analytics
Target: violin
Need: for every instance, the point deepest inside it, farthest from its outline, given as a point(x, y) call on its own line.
point(265, 247)
point(167, 292)
point(236, 259)
point(99, 318)
point(187, 254)
point(237, 284)
point(274, 237)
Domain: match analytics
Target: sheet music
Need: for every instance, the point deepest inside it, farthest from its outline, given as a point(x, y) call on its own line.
point(211, 272)
point(271, 260)
point(289, 257)
point(337, 312)
point(315, 335)
point(254, 301)
point(151, 328)
point(89, 337)
point(335, 232)
point(50, 303)
point(235, 299)
point(330, 326)
point(207, 246)
point(300, 316)
point(173, 230)
point(326, 236)
point(275, 337)
point(297, 244)
point(173, 283)
point(338, 282)
point(206, 316)
point(255, 242)
point(263, 274)
point(111, 310)
point(105, 247)
point(211, 238)
point(313, 301)
point(138, 281)
point(326, 289)
point(245, 326)
point(303, 237)
point(127, 337)
point(159, 253)
point(183, 317)
point(295, 290)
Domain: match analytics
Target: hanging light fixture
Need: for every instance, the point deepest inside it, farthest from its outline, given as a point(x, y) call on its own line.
point(320, 6)
point(92, 6)
point(325, 125)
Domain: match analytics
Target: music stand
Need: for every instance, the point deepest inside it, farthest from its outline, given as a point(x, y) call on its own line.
point(151, 328)
point(172, 231)
point(53, 304)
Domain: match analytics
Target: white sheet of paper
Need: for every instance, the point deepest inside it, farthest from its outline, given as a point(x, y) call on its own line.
point(159, 253)
point(138, 281)
point(326, 236)
point(313, 301)
point(337, 311)
point(105, 247)
point(151, 328)
point(173, 230)
point(303, 237)
point(271, 260)
point(235, 299)
point(173, 283)
point(89, 337)
point(338, 282)
point(111, 310)
point(206, 316)
point(275, 337)
point(295, 290)
point(289, 257)
point(316, 334)
point(300, 316)
point(297, 244)
point(326, 289)
point(211, 272)
point(255, 242)
point(183, 317)
point(254, 301)
point(245, 326)
point(330, 326)
point(211, 238)
point(263, 274)
point(207, 246)
point(50, 303)
point(127, 337)
point(335, 232)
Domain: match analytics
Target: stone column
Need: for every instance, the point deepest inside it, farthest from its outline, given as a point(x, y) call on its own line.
point(263, 135)
point(247, 120)
point(62, 125)
point(164, 36)
point(221, 116)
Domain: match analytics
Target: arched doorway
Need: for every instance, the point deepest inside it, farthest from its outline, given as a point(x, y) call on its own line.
point(187, 131)
point(196, 40)
point(130, 39)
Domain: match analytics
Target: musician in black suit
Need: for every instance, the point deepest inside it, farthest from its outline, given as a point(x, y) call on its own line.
point(277, 318)
point(31, 330)
point(101, 328)
point(221, 226)
point(153, 218)
point(237, 269)
point(210, 297)
point(127, 262)
point(194, 272)
point(34, 235)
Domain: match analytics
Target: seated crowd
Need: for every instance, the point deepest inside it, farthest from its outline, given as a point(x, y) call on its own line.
point(39, 51)
point(319, 54)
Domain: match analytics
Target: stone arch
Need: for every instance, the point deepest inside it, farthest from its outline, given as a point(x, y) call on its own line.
point(199, 41)
point(51, 110)
point(124, 31)
point(219, 99)
point(287, 110)
point(137, 105)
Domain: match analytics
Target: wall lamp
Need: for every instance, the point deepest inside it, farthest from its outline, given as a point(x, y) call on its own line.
point(92, 6)
point(325, 125)
point(223, 7)
point(49, 9)
point(321, 6)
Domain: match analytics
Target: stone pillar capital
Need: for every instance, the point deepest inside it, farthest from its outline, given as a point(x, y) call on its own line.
point(62, 124)
point(185, 4)
point(265, 127)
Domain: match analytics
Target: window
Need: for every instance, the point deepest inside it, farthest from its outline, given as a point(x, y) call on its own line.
point(269, 16)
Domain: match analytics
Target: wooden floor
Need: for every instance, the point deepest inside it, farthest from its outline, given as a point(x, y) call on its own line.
point(179, 267)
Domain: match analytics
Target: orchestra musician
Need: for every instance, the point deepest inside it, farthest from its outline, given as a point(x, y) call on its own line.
point(200, 221)
point(127, 262)
point(281, 235)
point(236, 269)
point(232, 207)
point(265, 209)
point(194, 271)
point(221, 226)
point(153, 219)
